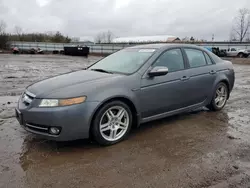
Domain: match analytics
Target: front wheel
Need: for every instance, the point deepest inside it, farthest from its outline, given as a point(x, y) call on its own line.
point(112, 123)
point(220, 97)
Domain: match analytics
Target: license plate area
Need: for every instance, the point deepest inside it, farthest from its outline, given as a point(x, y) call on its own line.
point(19, 116)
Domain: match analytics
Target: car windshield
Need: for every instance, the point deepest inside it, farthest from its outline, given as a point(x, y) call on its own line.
point(126, 61)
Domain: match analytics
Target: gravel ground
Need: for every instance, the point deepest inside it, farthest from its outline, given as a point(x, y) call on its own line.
point(198, 149)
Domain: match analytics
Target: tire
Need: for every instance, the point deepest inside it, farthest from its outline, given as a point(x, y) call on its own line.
point(216, 104)
point(112, 132)
point(240, 55)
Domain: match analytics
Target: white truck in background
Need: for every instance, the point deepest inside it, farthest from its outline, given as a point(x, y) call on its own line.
point(236, 52)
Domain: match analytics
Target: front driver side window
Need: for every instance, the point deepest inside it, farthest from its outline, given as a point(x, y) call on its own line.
point(172, 59)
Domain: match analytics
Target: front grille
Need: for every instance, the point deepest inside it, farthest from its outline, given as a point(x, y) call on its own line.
point(38, 128)
point(27, 98)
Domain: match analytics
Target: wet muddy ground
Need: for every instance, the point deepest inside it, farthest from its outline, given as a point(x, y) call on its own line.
point(197, 149)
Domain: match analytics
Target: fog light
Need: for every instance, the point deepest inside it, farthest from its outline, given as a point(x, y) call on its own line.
point(54, 130)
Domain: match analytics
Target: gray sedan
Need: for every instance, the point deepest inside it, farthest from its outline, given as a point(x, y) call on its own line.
point(130, 87)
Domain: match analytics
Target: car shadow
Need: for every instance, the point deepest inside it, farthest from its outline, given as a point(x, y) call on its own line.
point(89, 143)
point(167, 120)
point(174, 132)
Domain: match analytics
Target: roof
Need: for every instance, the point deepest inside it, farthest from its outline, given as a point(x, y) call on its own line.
point(138, 39)
point(162, 45)
point(155, 46)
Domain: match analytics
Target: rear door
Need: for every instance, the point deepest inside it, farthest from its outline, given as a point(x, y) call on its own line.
point(201, 73)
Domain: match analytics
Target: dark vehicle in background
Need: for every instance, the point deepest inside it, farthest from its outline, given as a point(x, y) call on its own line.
point(15, 50)
point(36, 51)
point(217, 51)
point(132, 86)
point(76, 50)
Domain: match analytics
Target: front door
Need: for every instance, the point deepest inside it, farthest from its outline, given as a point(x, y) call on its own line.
point(165, 93)
point(232, 52)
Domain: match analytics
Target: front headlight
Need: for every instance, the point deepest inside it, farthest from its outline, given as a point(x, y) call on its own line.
point(48, 103)
point(61, 102)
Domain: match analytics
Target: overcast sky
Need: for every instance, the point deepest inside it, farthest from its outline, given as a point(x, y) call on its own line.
point(79, 18)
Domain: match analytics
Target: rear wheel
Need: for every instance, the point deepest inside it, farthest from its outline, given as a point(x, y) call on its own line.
point(112, 123)
point(240, 55)
point(220, 97)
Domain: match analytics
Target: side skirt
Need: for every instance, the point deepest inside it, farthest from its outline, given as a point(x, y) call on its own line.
point(170, 113)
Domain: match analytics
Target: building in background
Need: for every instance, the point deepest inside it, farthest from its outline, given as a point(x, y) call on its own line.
point(146, 39)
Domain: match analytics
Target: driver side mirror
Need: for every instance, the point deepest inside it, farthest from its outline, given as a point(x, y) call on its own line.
point(158, 71)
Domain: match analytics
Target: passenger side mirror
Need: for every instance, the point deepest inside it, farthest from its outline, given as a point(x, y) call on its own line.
point(158, 71)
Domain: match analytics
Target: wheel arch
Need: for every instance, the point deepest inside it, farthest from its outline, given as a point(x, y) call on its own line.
point(225, 81)
point(240, 54)
point(127, 101)
point(219, 79)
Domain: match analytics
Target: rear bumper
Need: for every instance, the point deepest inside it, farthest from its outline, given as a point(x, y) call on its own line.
point(72, 121)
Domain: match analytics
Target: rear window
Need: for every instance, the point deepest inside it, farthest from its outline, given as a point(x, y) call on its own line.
point(215, 58)
point(195, 57)
point(209, 61)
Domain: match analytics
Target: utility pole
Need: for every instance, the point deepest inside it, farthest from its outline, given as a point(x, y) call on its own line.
point(212, 37)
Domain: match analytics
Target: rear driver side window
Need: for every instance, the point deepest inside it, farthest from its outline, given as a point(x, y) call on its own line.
point(195, 58)
point(172, 59)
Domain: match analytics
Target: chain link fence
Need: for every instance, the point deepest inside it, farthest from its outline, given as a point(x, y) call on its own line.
point(50, 47)
point(108, 48)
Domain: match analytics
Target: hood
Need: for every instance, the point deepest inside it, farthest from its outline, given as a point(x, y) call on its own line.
point(50, 85)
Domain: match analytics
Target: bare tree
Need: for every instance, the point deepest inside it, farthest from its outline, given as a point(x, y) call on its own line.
point(109, 37)
point(2, 26)
point(185, 39)
point(4, 38)
point(192, 39)
point(232, 37)
point(242, 24)
point(248, 37)
point(99, 38)
point(18, 31)
point(75, 39)
point(104, 37)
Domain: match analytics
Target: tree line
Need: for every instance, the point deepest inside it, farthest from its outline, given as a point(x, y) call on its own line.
point(19, 35)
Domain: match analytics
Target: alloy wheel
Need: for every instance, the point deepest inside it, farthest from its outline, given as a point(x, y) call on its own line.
point(221, 96)
point(114, 123)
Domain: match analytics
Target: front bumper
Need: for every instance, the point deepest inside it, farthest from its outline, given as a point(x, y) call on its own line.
point(73, 121)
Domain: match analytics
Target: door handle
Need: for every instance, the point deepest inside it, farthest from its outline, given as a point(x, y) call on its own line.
point(212, 72)
point(184, 78)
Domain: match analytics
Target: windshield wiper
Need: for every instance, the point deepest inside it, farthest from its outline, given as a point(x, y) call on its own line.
point(101, 70)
